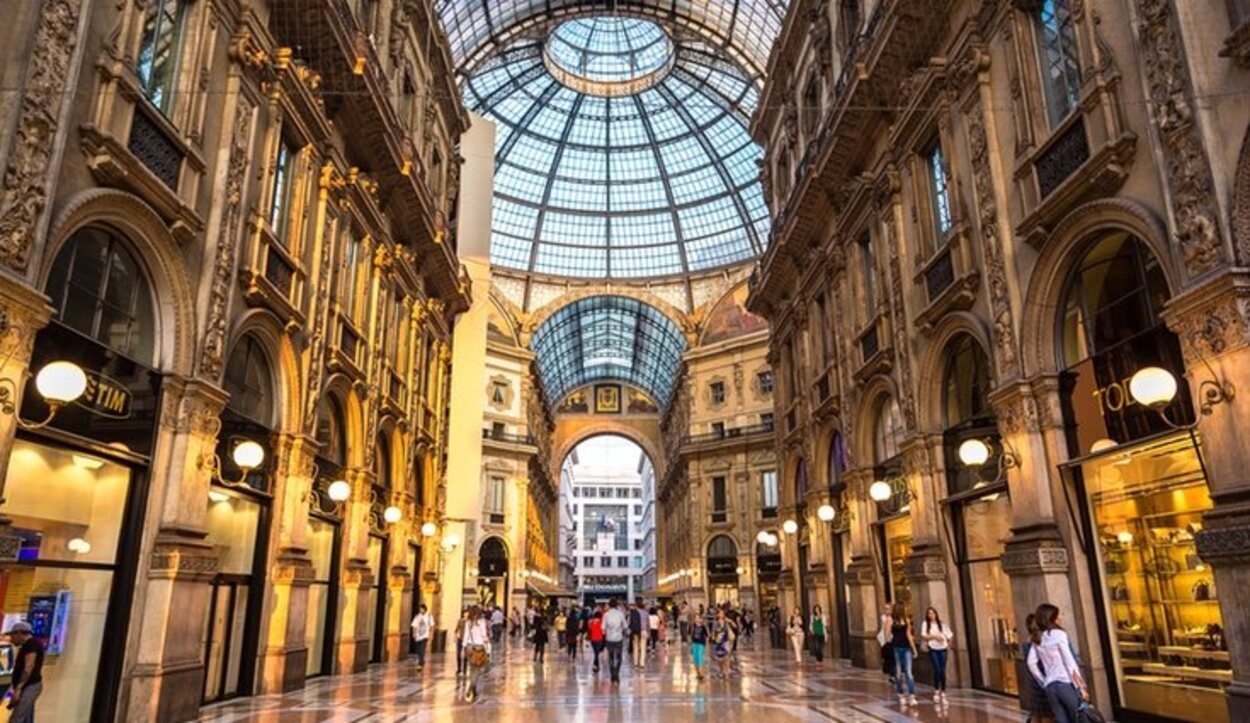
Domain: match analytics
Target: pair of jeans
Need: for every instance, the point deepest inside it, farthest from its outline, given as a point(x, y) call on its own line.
point(902, 670)
point(939, 668)
point(24, 711)
point(460, 659)
point(421, 652)
point(597, 647)
point(1065, 702)
point(539, 650)
point(614, 658)
point(818, 647)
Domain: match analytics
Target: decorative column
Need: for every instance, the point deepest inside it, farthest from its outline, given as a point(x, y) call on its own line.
point(166, 681)
point(23, 312)
point(1213, 323)
point(862, 573)
point(353, 634)
point(284, 652)
point(925, 570)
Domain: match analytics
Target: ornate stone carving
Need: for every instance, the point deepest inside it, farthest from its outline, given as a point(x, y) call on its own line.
point(1224, 544)
point(320, 314)
point(1220, 325)
point(1185, 159)
point(902, 346)
point(995, 268)
point(212, 353)
point(1035, 560)
point(24, 189)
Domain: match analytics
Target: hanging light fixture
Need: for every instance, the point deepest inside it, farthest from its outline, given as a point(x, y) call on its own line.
point(826, 513)
point(339, 490)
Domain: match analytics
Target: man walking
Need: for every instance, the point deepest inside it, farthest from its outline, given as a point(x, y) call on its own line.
point(422, 625)
point(614, 627)
point(639, 624)
point(27, 673)
point(496, 624)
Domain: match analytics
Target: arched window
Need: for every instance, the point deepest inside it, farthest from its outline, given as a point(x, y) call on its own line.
point(721, 547)
point(1115, 293)
point(888, 431)
point(966, 383)
point(382, 462)
point(249, 380)
point(800, 481)
point(100, 290)
point(838, 462)
point(330, 432)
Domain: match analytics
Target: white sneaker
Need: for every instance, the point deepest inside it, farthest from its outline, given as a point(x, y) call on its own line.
point(937, 697)
point(902, 700)
point(912, 700)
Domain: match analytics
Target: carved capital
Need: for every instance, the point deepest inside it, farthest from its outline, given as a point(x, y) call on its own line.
point(1213, 319)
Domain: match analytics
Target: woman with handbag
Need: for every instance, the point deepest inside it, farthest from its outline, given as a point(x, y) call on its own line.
point(904, 644)
point(795, 631)
point(935, 636)
point(476, 645)
point(1054, 667)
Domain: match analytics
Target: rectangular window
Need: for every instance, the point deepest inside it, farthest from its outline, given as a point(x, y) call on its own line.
point(768, 489)
point(637, 544)
point(637, 509)
point(765, 379)
point(280, 201)
point(718, 392)
point(868, 273)
point(622, 561)
point(495, 495)
point(826, 339)
point(349, 277)
point(588, 561)
point(720, 500)
point(766, 420)
point(939, 186)
point(605, 562)
point(157, 66)
point(718, 429)
point(1061, 73)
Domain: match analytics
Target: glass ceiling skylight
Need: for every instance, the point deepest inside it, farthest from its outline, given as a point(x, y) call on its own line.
point(608, 55)
point(660, 181)
point(604, 338)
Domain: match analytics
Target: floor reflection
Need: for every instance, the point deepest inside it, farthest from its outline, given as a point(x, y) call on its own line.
point(765, 687)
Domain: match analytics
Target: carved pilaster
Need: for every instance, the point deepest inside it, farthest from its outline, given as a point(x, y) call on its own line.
point(1188, 173)
point(34, 148)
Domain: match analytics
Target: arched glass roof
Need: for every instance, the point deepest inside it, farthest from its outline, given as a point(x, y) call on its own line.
point(743, 29)
point(658, 182)
point(608, 338)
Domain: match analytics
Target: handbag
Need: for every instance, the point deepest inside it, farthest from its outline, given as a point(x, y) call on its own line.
point(1089, 714)
point(478, 657)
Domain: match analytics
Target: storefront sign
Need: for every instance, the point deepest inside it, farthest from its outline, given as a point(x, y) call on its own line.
point(105, 397)
point(722, 565)
point(769, 563)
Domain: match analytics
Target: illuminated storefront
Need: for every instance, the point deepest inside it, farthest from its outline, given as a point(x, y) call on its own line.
point(1143, 492)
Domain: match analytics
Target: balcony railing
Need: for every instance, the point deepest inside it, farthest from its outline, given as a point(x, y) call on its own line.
point(732, 433)
point(497, 436)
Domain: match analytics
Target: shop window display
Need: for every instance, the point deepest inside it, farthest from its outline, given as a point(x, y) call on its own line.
point(986, 526)
point(1167, 631)
point(322, 536)
point(896, 541)
point(66, 511)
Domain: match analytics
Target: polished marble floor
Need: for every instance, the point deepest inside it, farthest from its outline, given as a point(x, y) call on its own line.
point(767, 687)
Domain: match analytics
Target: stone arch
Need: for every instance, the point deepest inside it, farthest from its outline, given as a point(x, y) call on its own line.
point(933, 366)
point(267, 329)
point(729, 540)
point(877, 389)
point(507, 314)
point(652, 447)
point(341, 389)
point(389, 429)
point(1063, 249)
point(493, 538)
point(156, 251)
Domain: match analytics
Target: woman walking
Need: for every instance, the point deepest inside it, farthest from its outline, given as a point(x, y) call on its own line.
point(476, 649)
point(1054, 666)
point(936, 636)
point(818, 633)
point(904, 644)
point(698, 644)
point(722, 643)
point(1036, 703)
point(594, 631)
point(573, 632)
point(795, 631)
point(459, 633)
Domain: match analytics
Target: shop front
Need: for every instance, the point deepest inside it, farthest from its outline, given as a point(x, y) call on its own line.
point(978, 517)
point(325, 538)
point(492, 573)
point(76, 490)
point(892, 530)
point(237, 521)
point(767, 573)
point(722, 571)
point(1142, 492)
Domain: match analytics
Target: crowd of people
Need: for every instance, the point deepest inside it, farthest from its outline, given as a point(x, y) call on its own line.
point(637, 632)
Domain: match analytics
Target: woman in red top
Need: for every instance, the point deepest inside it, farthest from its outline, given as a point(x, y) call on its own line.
point(596, 636)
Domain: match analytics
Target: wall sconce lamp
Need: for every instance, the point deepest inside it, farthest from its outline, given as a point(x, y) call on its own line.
point(247, 456)
point(392, 514)
point(58, 382)
point(766, 538)
point(339, 491)
point(880, 491)
point(974, 453)
point(1156, 387)
point(790, 527)
point(451, 542)
point(429, 529)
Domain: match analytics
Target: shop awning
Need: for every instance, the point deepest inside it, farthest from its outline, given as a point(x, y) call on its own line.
point(547, 589)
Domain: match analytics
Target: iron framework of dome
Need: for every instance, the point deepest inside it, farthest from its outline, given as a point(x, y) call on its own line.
point(622, 149)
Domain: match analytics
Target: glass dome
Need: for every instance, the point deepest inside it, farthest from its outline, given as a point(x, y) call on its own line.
point(608, 56)
point(660, 181)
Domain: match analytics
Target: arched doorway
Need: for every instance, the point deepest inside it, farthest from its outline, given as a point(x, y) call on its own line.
point(492, 573)
point(722, 570)
point(325, 534)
